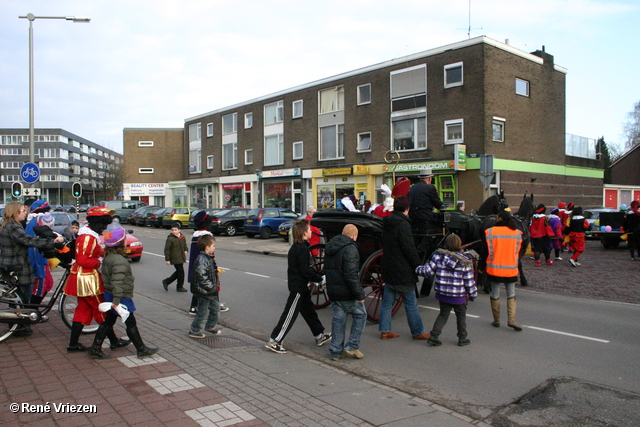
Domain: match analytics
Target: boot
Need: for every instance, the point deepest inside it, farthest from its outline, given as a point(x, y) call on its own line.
point(74, 345)
point(143, 350)
point(495, 309)
point(115, 342)
point(96, 349)
point(511, 314)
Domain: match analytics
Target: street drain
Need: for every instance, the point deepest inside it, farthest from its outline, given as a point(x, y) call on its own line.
point(222, 342)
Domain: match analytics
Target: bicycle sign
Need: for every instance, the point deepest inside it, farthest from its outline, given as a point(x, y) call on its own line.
point(30, 172)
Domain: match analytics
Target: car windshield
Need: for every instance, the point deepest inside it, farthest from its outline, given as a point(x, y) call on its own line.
point(61, 219)
point(222, 213)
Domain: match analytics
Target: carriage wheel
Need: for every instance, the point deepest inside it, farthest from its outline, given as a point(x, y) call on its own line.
point(371, 277)
point(318, 290)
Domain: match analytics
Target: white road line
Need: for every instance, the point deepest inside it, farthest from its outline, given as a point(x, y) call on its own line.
point(259, 275)
point(438, 309)
point(566, 334)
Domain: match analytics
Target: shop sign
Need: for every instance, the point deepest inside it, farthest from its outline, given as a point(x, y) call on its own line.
point(336, 171)
point(239, 185)
point(416, 167)
point(360, 170)
point(281, 172)
point(146, 189)
point(182, 191)
point(460, 157)
point(361, 186)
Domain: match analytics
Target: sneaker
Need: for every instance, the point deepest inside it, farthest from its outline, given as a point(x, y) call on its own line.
point(575, 264)
point(355, 353)
point(275, 347)
point(197, 335)
point(181, 290)
point(549, 262)
point(223, 308)
point(165, 284)
point(214, 331)
point(323, 339)
point(537, 263)
point(193, 311)
point(559, 258)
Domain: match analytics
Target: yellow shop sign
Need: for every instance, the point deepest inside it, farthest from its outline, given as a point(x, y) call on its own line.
point(336, 171)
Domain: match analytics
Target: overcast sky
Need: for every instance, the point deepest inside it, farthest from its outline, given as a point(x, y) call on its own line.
point(142, 63)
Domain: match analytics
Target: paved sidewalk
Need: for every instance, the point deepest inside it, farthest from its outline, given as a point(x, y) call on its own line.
point(230, 379)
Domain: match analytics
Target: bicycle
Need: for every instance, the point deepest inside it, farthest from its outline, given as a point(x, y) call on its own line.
point(14, 311)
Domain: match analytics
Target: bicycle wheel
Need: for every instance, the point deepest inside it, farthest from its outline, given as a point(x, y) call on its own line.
point(8, 300)
point(66, 308)
point(318, 290)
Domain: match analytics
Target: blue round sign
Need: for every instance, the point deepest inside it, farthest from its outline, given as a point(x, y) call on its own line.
point(30, 172)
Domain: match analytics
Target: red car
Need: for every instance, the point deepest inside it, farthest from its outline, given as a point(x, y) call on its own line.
point(134, 246)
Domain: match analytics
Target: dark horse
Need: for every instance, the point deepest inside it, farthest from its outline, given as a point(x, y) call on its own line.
point(486, 218)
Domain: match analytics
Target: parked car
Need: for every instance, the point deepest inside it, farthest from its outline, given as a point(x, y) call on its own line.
point(154, 218)
point(174, 215)
point(229, 221)
point(57, 208)
point(122, 208)
point(593, 216)
point(138, 216)
point(62, 221)
point(210, 212)
point(69, 208)
point(84, 208)
point(134, 246)
point(284, 229)
point(265, 221)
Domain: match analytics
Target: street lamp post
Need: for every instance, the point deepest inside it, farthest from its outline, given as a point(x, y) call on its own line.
point(31, 17)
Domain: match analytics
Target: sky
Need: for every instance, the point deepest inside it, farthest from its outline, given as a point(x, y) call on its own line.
point(142, 63)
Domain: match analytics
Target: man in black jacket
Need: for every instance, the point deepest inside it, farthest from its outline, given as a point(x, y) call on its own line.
point(424, 199)
point(341, 266)
point(399, 263)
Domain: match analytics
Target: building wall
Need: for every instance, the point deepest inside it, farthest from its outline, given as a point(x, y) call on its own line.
point(625, 171)
point(166, 156)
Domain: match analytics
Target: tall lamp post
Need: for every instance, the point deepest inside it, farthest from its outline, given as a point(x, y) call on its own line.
point(31, 17)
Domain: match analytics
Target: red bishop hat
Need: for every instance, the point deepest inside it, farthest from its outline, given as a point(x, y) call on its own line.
point(98, 211)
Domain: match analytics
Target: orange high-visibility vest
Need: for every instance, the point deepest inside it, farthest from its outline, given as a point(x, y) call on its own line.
point(504, 247)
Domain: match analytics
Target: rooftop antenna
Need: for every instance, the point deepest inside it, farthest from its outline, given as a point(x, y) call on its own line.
point(469, 28)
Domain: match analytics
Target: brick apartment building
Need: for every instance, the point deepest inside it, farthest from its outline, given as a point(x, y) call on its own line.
point(443, 108)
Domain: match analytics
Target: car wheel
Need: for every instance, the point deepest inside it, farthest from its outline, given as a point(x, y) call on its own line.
point(265, 233)
point(230, 230)
point(250, 235)
point(136, 259)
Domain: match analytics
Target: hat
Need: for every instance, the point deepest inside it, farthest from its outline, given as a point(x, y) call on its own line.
point(401, 188)
point(424, 173)
point(555, 211)
point(114, 237)
point(199, 219)
point(39, 206)
point(48, 220)
point(570, 206)
point(98, 211)
point(562, 205)
point(541, 208)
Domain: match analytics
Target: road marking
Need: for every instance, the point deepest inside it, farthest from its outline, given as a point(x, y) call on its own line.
point(566, 334)
point(438, 309)
point(152, 254)
point(256, 274)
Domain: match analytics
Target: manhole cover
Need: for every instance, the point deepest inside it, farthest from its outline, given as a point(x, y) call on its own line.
point(222, 342)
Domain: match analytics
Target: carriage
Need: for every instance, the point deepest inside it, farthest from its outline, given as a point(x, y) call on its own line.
point(370, 248)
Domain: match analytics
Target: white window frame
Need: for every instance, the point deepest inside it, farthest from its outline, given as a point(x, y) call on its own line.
point(279, 142)
point(298, 109)
point(526, 85)
point(248, 156)
point(449, 123)
point(449, 67)
point(362, 101)
point(195, 132)
point(339, 100)
point(233, 146)
point(145, 170)
point(210, 162)
point(279, 116)
point(248, 120)
point(498, 121)
point(360, 139)
point(234, 124)
point(339, 147)
point(145, 143)
point(209, 129)
point(197, 168)
point(415, 119)
point(298, 146)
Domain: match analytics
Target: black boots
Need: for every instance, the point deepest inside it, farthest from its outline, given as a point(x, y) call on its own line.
point(74, 345)
point(143, 350)
point(114, 341)
point(96, 349)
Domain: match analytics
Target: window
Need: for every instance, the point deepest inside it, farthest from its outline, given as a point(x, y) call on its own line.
point(331, 100)
point(145, 143)
point(273, 113)
point(297, 150)
point(209, 162)
point(364, 94)
point(209, 130)
point(410, 134)
point(230, 155)
point(332, 142)
point(274, 150)
point(522, 87)
point(230, 123)
point(364, 142)
point(145, 170)
point(409, 88)
point(297, 109)
point(194, 132)
point(454, 131)
point(195, 161)
point(497, 129)
point(248, 157)
point(248, 120)
point(453, 75)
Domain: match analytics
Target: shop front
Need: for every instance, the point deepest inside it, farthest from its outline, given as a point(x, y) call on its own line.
point(332, 185)
point(281, 189)
point(235, 195)
point(151, 193)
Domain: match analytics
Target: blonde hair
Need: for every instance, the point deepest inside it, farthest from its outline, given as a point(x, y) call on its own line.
point(11, 212)
point(350, 230)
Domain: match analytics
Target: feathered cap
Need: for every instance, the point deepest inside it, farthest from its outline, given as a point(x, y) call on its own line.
point(114, 236)
point(98, 211)
point(39, 206)
point(541, 208)
point(201, 220)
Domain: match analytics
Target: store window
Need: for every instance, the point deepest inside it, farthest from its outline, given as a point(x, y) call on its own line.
point(199, 197)
point(232, 195)
point(277, 194)
point(330, 195)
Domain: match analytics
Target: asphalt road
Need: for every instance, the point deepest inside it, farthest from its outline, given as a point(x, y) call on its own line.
point(591, 338)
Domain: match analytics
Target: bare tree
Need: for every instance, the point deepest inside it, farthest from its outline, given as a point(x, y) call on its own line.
point(110, 178)
point(632, 127)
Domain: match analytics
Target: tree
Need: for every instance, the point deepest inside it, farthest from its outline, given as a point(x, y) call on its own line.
point(632, 127)
point(110, 178)
point(605, 156)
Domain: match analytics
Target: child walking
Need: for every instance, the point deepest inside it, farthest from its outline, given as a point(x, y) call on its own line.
point(118, 289)
point(205, 287)
point(299, 274)
point(577, 226)
point(454, 285)
point(175, 253)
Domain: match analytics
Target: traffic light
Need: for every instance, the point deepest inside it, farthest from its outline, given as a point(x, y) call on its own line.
point(76, 190)
point(16, 189)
